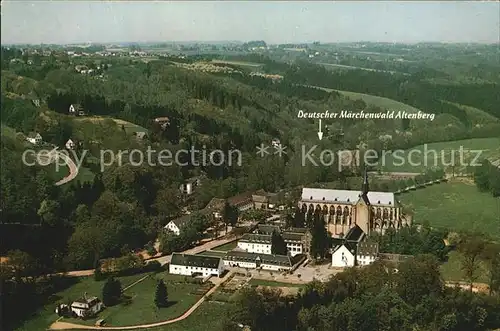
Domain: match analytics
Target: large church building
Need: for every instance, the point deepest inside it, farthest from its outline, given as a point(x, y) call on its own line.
point(343, 209)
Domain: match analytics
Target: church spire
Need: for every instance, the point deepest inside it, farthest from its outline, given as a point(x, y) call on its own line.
point(365, 187)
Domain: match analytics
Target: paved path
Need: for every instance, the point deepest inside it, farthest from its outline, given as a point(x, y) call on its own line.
point(53, 156)
point(163, 259)
point(73, 169)
point(58, 325)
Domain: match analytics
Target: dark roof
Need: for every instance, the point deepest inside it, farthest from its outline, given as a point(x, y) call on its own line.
point(240, 199)
point(195, 260)
point(256, 238)
point(215, 203)
point(237, 256)
point(354, 234)
point(349, 245)
point(267, 229)
point(368, 248)
point(287, 236)
point(297, 230)
point(181, 221)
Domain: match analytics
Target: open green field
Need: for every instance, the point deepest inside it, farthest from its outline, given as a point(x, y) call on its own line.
point(226, 247)
point(381, 102)
point(422, 157)
point(129, 127)
point(42, 319)
point(239, 63)
point(451, 270)
point(475, 115)
point(455, 206)
point(142, 309)
point(374, 100)
point(208, 317)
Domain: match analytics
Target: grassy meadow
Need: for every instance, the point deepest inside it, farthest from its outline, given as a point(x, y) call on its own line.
point(455, 206)
point(44, 317)
point(422, 157)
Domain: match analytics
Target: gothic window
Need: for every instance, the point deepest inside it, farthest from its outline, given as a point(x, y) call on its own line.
point(379, 213)
point(346, 211)
point(386, 213)
point(332, 210)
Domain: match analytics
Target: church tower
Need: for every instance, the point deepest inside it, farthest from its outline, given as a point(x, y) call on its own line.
point(363, 206)
point(365, 187)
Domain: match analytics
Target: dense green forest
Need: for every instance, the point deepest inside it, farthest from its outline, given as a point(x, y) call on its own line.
point(376, 297)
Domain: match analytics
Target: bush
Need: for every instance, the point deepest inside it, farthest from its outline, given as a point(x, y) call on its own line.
point(153, 266)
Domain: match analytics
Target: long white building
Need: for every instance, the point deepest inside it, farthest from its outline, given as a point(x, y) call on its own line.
point(261, 243)
point(189, 265)
point(254, 261)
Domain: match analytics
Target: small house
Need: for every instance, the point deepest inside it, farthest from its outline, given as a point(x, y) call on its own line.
point(140, 135)
point(344, 255)
point(189, 185)
point(35, 138)
point(86, 307)
point(76, 110)
point(191, 265)
point(70, 144)
point(177, 224)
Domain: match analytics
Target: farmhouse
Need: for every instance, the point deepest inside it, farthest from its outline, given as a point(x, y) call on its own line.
point(177, 224)
point(190, 265)
point(86, 307)
point(242, 201)
point(256, 261)
point(35, 138)
point(343, 209)
point(354, 249)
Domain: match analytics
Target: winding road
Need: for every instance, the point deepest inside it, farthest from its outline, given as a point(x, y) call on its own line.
point(163, 259)
point(54, 155)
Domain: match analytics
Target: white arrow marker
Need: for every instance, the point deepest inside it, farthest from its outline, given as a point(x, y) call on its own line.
point(320, 134)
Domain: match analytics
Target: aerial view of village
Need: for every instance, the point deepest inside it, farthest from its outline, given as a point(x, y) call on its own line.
point(237, 166)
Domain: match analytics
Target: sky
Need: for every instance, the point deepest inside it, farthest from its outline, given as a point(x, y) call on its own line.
point(63, 22)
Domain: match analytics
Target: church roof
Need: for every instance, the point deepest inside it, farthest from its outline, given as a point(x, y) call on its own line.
point(346, 196)
point(355, 234)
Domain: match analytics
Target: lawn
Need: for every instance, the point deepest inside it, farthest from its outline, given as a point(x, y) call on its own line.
point(42, 319)
point(239, 63)
point(142, 310)
point(455, 206)
point(226, 247)
point(452, 269)
point(129, 127)
point(208, 317)
point(374, 100)
point(419, 158)
point(475, 115)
